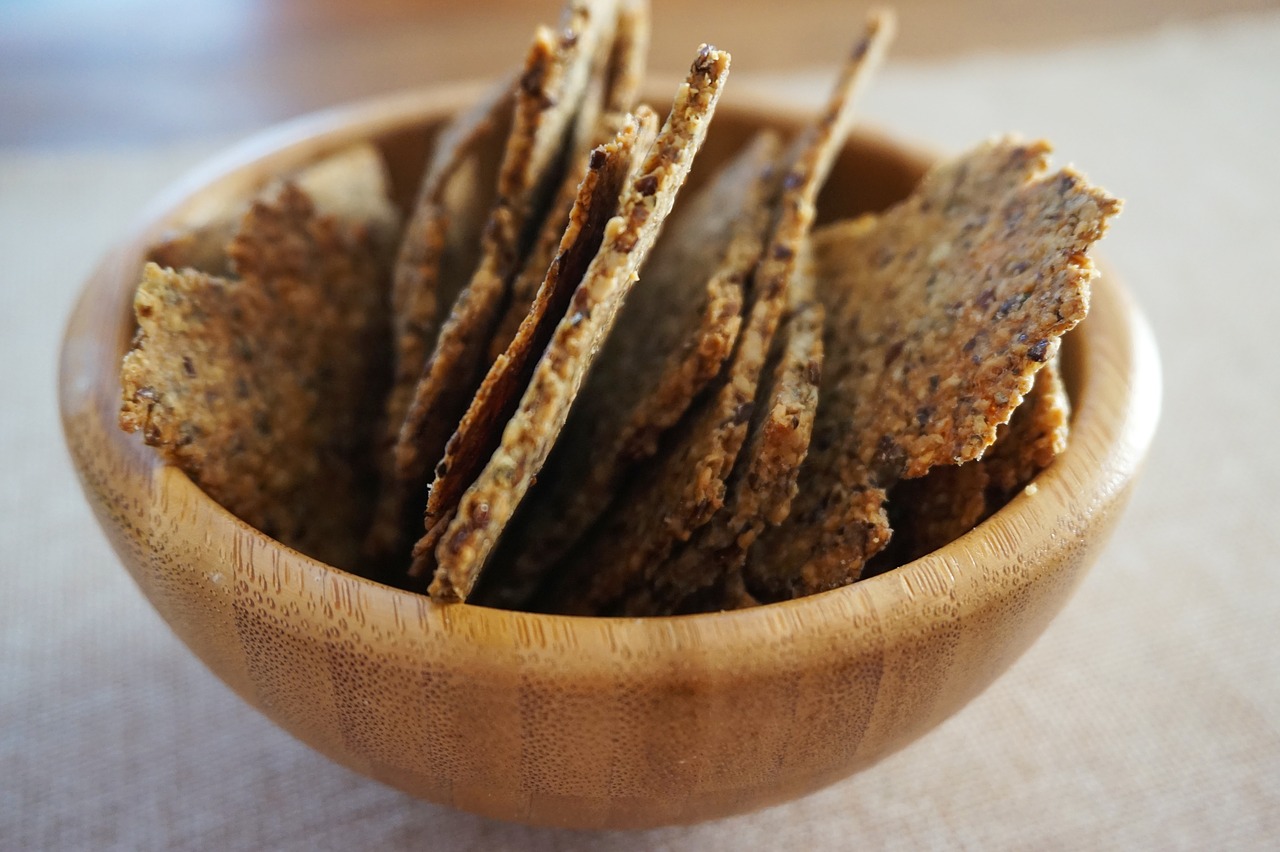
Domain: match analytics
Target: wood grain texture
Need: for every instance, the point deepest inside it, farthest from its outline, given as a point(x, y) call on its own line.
point(596, 722)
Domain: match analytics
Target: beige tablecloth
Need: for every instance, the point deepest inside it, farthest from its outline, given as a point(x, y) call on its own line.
point(1146, 716)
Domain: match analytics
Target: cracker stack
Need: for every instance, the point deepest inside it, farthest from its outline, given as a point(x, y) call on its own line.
point(564, 385)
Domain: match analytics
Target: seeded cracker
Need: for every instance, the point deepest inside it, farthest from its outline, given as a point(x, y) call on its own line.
point(489, 503)
point(261, 388)
point(202, 248)
point(437, 254)
point(935, 509)
point(550, 92)
point(611, 96)
point(481, 427)
point(702, 336)
point(594, 129)
point(351, 184)
point(1034, 436)
point(759, 491)
point(672, 337)
point(702, 454)
point(950, 500)
point(947, 304)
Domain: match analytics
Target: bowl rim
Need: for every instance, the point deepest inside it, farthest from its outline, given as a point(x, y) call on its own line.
point(1114, 418)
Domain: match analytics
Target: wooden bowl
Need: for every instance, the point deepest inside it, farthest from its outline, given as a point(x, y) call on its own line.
point(590, 722)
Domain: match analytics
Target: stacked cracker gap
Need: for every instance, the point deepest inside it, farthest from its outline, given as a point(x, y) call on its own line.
point(538, 393)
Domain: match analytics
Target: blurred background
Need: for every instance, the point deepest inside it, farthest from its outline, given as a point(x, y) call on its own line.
point(76, 72)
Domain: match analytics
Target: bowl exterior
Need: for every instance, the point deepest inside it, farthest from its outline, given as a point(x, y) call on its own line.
point(583, 722)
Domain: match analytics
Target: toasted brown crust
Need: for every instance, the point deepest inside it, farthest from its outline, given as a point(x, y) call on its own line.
point(950, 500)
point(477, 435)
point(947, 305)
point(527, 283)
point(610, 98)
point(701, 458)
point(454, 366)
point(457, 190)
point(351, 183)
point(263, 388)
point(438, 253)
point(671, 339)
point(490, 502)
point(813, 153)
point(734, 213)
point(956, 309)
point(936, 509)
point(548, 94)
point(1034, 436)
point(760, 489)
point(552, 87)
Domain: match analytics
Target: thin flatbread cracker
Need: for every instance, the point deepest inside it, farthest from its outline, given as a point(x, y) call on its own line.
point(477, 435)
point(551, 91)
point(946, 304)
point(672, 338)
point(263, 389)
point(814, 152)
point(351, 183)
point(726, 249)
point(1034, 436)
point(950, 500)
point(528, 437)
point(610, 98)
point(527, 283)
point(700, 459)
point(933, 510)
point(623, 567)
point(764, 482)
point(438, 253)
point(202, 248)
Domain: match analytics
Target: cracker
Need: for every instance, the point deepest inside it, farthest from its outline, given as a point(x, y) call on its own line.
point(950, 500)
point(201, 247)
point(814, 152)
point(758, 492)
point(262, 388)
point(351, 183)
point(672, 337)
point(611, 97)
point(936, 509)
point(477, 434)
point(947, 304)
point(1034, 436)
point(701, 457)
point(528, 437)
point(527, 283)
point(679, 331)
point(437, 255)
point(551, 90)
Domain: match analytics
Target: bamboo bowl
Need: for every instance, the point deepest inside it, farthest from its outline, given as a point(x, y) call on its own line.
point(586, 722)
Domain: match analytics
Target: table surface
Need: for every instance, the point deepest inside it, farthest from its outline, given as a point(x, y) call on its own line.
point(1144, 717)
